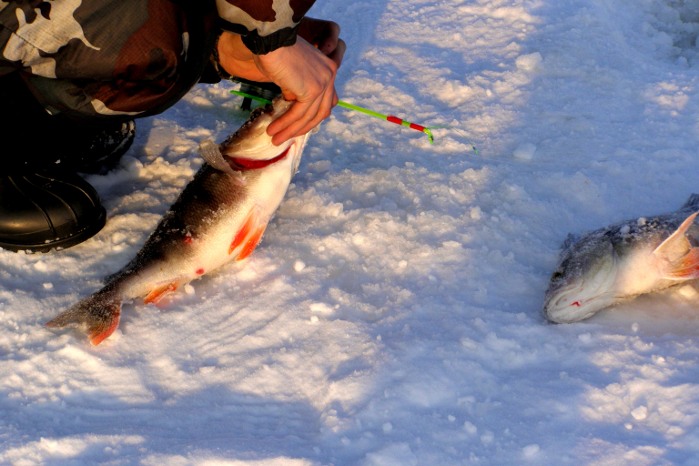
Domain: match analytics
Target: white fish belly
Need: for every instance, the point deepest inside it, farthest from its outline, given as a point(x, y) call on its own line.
point(234, 231)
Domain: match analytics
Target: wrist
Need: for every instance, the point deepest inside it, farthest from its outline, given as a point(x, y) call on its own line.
point(262, 45)
point(232, 52)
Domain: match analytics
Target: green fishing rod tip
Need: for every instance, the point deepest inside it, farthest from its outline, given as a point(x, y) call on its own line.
point(250, 96)
point(357, 108)
point(429, 134)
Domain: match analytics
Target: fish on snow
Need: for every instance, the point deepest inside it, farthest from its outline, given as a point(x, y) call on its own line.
point(622, 261)
point(220, 216)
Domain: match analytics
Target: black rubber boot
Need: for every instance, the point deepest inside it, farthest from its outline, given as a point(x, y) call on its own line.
point(49, 206)
point(44, 204)
point(43, 212)
point(104, 151)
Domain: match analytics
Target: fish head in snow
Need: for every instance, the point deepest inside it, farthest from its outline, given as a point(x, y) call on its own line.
point(583, 282)
point(623, 261)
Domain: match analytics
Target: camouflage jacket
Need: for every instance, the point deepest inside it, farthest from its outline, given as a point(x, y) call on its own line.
point(129, 58)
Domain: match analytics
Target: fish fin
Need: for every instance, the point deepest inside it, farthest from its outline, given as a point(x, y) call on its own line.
point(159, 292)
point(686, 268)
point(692, 202)
point(248, 237)
point(676, 245)
point(252, 241)
point(243, 233)
point(211, 153)
point(98, 314)
point(680, 260)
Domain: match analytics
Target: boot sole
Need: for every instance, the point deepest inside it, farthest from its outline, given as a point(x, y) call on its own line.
point(60, 243)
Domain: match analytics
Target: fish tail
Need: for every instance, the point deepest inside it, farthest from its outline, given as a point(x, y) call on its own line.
point(98, 315)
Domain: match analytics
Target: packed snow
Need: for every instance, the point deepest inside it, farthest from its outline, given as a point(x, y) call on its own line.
point(392, 313)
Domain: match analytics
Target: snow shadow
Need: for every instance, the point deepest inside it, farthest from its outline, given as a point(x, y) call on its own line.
point(213, 423)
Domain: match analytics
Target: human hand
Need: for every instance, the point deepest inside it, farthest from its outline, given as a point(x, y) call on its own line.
point(325, 36)
point(307, 78)
point(305, 74)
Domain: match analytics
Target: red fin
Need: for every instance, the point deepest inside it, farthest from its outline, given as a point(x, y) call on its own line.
point(98, 313)
point(243, 233)
point(680, 259)
point(99, 334)
point(251, 243)
point(676, 245)
point(686, 268)
point(157, 293)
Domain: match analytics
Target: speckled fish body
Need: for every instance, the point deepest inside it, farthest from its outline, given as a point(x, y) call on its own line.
point(622, 261)
point(219, 217)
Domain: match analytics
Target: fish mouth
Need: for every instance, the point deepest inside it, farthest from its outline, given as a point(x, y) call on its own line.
point(251, 141)
point(230, 164)
point(582, 297)
point(259, 147)
point(574, 304)
point(242, 164)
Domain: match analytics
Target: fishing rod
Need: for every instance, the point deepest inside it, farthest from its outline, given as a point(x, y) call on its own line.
point(366, 111)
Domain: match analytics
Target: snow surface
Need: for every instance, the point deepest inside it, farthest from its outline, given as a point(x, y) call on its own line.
point(392, 313)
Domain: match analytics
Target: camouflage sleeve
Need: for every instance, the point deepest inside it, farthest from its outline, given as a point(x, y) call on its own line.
point(106, 58)
point(264, 25)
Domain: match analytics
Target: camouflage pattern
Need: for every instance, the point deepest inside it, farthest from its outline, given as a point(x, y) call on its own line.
point(128, 58)
point(264, 24)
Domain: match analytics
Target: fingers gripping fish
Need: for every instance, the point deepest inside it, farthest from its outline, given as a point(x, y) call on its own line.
point(622, 261)
point(219, 217)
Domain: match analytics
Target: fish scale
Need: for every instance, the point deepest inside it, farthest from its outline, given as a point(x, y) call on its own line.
point(219, 217)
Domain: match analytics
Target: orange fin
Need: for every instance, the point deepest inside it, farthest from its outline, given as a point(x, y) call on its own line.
point(686, 268)
point(251, 243)
point(98, 334)
point(680, 260)
point(243, 233)
point(676, 245)
point(159, 292)
point(99, 314)
point(248, 237)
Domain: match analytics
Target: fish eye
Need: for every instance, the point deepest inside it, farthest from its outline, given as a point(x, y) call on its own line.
point(557, 275)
